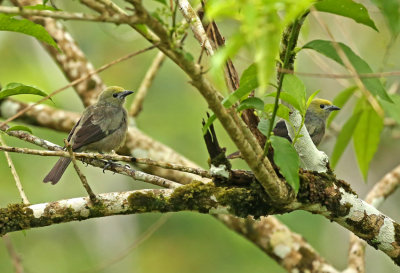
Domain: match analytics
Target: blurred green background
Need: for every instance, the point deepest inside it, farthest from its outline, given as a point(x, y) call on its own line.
point(173, 110)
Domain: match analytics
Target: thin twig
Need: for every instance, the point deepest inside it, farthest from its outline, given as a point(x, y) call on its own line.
point(102, 68)
point(82, 177)
point(15, 175)
point(121, 19)
point(114, 157)
point(16, 259)
point(137, 104)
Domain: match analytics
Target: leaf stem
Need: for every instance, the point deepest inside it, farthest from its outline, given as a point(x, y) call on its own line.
point(288, 44)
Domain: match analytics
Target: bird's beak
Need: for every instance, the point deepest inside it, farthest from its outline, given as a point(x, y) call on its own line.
point(332, 108)
point(125, 93)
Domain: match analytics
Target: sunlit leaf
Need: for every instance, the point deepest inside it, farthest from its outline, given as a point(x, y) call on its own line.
point(366, 137)
point(209, 121)
point(328, 49)
point(347, 8)
point(282, 112)
point(310, 98)
point(20, 128)
point(13, 89)
point(293, 86)
point(344, 138)
point(287, 159)
point(7, 23)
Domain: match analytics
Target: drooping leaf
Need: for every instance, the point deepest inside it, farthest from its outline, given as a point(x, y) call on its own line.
point(20, 128)
point(340, 100)
point(344, 137)
point(251, 103)
point(14, 88)
point(347, 8)
point(391, 11)
point(7, 23)
point(366, 138)
point(282, 112)
point(248, 82)
point(287, 159)
point(392, 109)
point(293, 86)
point(328, 49)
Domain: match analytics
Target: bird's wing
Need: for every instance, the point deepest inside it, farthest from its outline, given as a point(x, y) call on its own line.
point(87, 133)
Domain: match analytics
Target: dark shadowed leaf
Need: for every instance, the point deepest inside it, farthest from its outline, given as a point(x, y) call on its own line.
point(366, 137)
point(7, 23)
point(14, 88)
point(20, 128)
point(344, 137)
point(287, 159)
point(251, 103)
point(340, 100)
point(347, 8)
point(328, 49)
point(263, 126)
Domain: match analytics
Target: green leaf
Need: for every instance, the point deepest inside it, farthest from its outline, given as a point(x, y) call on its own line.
point(347, 8)
point(164, 2)
point(263, 126)
point(392, 109)
point(7, 23)
point(282, 112)
point(293, 86)
point(251, 103)
point(248, 82)
point(391, 12)
point(366, 137)
point(289, 99)
point(14, 88)
point(287, 159)
point(41, 7)
point(210, 121)
point(340, 100)
point(327, 48)
point(344, 137)
point(20, 128)
point(310, 98)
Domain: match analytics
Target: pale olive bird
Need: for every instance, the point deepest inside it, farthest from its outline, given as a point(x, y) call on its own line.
point(101, 128)
point(315, 121)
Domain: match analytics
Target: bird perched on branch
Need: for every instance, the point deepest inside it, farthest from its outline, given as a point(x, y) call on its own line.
point(316, 116)
point(101, 128)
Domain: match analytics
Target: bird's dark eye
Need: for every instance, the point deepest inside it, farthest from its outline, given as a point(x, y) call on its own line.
point(115, 95)
point(322, 106)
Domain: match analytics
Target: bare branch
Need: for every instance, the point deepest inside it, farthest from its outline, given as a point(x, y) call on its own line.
point(137, 103)
point(71, 15)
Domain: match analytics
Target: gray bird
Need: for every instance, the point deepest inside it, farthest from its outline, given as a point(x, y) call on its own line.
point(101, 128)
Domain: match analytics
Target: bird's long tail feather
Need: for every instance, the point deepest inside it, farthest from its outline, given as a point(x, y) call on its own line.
point(58, 170)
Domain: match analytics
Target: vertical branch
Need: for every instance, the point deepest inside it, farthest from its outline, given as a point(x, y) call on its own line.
point(287, 55)
point(80, 174)
point(137, 103)
point(15, 175)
